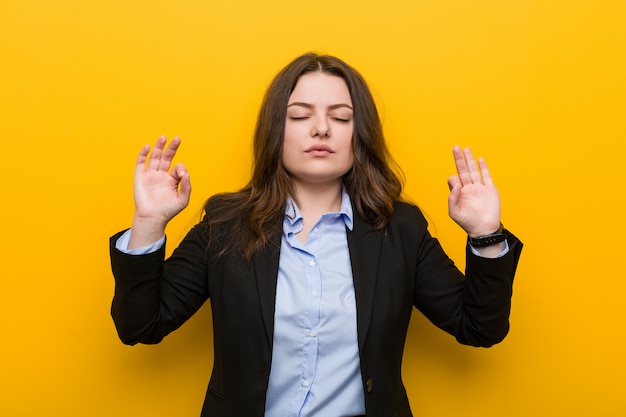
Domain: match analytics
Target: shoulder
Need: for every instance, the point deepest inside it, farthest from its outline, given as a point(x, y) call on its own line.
point(406, 222)
point(226, 207)
point(405, 214)
point(225, 201)
point(405, 217)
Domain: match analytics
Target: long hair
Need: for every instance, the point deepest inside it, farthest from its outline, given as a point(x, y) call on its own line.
point(253, 213)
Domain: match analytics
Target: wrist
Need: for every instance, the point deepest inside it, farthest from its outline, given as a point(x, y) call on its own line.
point(148, 223)
point(489, 230)
point(490, 239)
point(145, 231)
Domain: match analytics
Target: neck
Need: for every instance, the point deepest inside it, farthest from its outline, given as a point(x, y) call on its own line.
point(314, 201)
point(322, 199)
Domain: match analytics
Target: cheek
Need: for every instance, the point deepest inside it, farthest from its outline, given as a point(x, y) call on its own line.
point(348, 153)
point(293, 134)
point(290, 149)
point(351, 158)
point(347, 140)
point(288, 138)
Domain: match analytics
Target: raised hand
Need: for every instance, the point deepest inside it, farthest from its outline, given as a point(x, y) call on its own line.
point(474, 202)
point(160, 192)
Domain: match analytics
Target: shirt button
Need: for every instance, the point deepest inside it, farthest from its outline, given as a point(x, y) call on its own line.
point(314, 292)
point(305, 383)
point(312, 333)
point(312, 263)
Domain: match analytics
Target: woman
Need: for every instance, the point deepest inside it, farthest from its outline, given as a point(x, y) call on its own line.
point(314, 267)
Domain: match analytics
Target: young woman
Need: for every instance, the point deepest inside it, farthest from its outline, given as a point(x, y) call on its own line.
point(314, 267)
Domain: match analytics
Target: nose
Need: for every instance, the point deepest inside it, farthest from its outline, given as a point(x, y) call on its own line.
point(321, 128)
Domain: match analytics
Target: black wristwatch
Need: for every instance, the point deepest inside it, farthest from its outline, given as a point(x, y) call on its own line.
point(488, 240)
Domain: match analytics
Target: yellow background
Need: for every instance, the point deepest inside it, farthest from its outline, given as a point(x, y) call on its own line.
point(536, 87)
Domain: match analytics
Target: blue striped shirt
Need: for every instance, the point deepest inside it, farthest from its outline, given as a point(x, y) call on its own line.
point(315, 367)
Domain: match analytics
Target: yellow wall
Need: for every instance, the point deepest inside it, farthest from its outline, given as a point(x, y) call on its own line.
point(537, 87)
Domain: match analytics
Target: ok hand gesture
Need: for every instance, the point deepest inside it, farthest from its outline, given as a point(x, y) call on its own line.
point(474, 202)
point(160, 193)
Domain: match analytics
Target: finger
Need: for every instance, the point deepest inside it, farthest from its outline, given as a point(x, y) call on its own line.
point(453, 181)
point(155, 157)
point(471, 164)
point(178, 172)
point(484, 172)
point(454, 184)
point(461, 166)
point(143, 155)
point(168, 154)
point(184, 192)
point(140, 166)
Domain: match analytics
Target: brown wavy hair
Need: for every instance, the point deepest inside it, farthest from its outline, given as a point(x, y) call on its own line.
point(254, 213)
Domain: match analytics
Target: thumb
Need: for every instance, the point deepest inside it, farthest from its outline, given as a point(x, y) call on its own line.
point(454, 184)
point(185, 187)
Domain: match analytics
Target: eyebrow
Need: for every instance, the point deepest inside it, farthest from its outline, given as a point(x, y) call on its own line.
point(310, 106)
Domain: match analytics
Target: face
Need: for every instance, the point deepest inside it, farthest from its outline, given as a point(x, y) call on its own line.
point(317, 149)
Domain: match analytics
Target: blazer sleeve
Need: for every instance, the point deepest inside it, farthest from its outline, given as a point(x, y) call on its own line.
point(154, 296)
point(474, 307)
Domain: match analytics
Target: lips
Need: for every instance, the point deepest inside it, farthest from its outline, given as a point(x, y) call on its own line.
point(319, 149)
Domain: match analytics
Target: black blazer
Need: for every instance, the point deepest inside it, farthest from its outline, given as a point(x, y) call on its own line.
point(394, 270)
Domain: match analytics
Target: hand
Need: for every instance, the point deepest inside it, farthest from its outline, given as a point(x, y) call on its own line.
point(160, 194)
point(474, 202)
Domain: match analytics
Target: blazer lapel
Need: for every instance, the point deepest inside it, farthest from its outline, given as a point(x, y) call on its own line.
point(265, 265)
point(364, 246)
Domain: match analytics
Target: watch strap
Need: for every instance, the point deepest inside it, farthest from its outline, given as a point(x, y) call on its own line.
point(488, 240)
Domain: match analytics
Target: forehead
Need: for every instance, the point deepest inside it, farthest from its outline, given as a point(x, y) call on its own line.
point(322, 88)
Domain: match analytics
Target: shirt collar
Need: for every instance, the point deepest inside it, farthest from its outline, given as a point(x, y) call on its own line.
point(293, 217)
